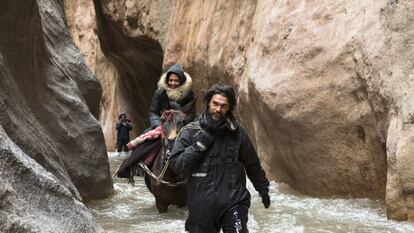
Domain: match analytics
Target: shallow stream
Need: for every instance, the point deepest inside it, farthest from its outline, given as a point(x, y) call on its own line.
point(132, 209)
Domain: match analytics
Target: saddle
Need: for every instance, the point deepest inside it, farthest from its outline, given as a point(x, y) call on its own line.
point(147, 135)
point(143, 151)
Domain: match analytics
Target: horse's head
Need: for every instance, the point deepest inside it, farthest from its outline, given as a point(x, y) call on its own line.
point(172, 121)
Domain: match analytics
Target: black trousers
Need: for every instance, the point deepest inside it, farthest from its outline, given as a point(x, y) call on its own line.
point(121, 145)
point(235, 220)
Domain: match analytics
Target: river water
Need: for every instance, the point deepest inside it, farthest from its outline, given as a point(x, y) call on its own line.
point(132, 209)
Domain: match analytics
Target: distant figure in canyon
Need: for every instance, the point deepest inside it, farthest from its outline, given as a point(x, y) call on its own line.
point(217, 154)
point(123, 126)
point(178, 86)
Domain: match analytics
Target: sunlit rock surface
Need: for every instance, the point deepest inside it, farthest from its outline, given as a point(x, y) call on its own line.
point(324, 88)
point(49, 99)
point(81, 20)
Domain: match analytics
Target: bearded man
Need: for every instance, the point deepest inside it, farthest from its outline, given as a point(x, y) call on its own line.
point(217, 154)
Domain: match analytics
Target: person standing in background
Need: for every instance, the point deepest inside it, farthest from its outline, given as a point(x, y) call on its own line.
point(123, 126)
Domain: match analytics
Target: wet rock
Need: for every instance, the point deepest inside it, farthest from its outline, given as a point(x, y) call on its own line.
point(32, 199)
point(49, 99)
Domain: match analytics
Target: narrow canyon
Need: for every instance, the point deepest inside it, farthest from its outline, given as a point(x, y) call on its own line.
point(324, 90)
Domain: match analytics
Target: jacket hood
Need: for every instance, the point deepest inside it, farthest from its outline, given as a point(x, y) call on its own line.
point(121, 114)
point(231, 122)
point(178, 70)
point(180, 92)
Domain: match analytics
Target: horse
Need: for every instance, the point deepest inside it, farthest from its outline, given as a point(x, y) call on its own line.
point(166, 186)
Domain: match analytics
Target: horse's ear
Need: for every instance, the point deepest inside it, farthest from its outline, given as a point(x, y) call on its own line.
point(164, 114)
point(187, 108)
point(165, 101)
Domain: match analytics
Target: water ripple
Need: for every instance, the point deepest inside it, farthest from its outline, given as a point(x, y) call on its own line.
point(132, 209)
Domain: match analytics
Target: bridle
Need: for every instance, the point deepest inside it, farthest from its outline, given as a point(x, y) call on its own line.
point(166, 162)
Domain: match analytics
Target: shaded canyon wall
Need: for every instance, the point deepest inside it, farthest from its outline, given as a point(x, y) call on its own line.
point(52, 152)
point(128, 68)
point(324, 89)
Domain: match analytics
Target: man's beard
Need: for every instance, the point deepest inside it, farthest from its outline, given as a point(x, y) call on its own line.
point(209, 124)
point(218, 115)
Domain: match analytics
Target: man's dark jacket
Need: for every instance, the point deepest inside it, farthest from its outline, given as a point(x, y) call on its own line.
point(217, 176)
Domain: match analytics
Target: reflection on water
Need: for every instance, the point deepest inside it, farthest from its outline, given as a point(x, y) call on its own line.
point(132, 209)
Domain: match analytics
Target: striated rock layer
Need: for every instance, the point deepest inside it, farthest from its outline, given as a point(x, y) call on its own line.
point(34, 200)
point(323, 87)
point(52, 152)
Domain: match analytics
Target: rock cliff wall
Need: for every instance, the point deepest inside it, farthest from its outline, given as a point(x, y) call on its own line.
point(324, 89)
point(52, 147)
point(33, 199)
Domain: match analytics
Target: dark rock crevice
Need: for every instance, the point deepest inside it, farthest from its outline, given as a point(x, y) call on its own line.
point(138, 61)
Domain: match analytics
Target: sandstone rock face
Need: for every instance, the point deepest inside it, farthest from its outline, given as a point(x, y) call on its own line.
point(81, 20)
point(47, 95)
point(33, 199)
point(324, 88)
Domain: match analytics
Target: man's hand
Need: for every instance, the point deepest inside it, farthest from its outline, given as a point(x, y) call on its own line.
point(204, 139)
point(265, 200)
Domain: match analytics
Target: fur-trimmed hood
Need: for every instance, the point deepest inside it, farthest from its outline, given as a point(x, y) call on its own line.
point(180, 92)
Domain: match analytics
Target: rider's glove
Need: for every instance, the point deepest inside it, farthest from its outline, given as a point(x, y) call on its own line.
point(265, 200)
point(204, 139)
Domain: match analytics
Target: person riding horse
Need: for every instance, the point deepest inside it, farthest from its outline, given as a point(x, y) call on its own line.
point(178, 86)
point(173, 106)
point(152, 155)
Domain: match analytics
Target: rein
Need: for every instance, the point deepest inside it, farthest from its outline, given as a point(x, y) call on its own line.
point(164, 169)
point(167, 163)
point(159, 178)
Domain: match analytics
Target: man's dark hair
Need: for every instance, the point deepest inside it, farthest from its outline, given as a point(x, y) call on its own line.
point(224, 90)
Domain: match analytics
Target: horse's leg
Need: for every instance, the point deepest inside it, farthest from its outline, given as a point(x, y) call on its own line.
point(161, 206)
point(182, 207)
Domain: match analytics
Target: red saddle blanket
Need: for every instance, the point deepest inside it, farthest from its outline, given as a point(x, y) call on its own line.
point(150, 135)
